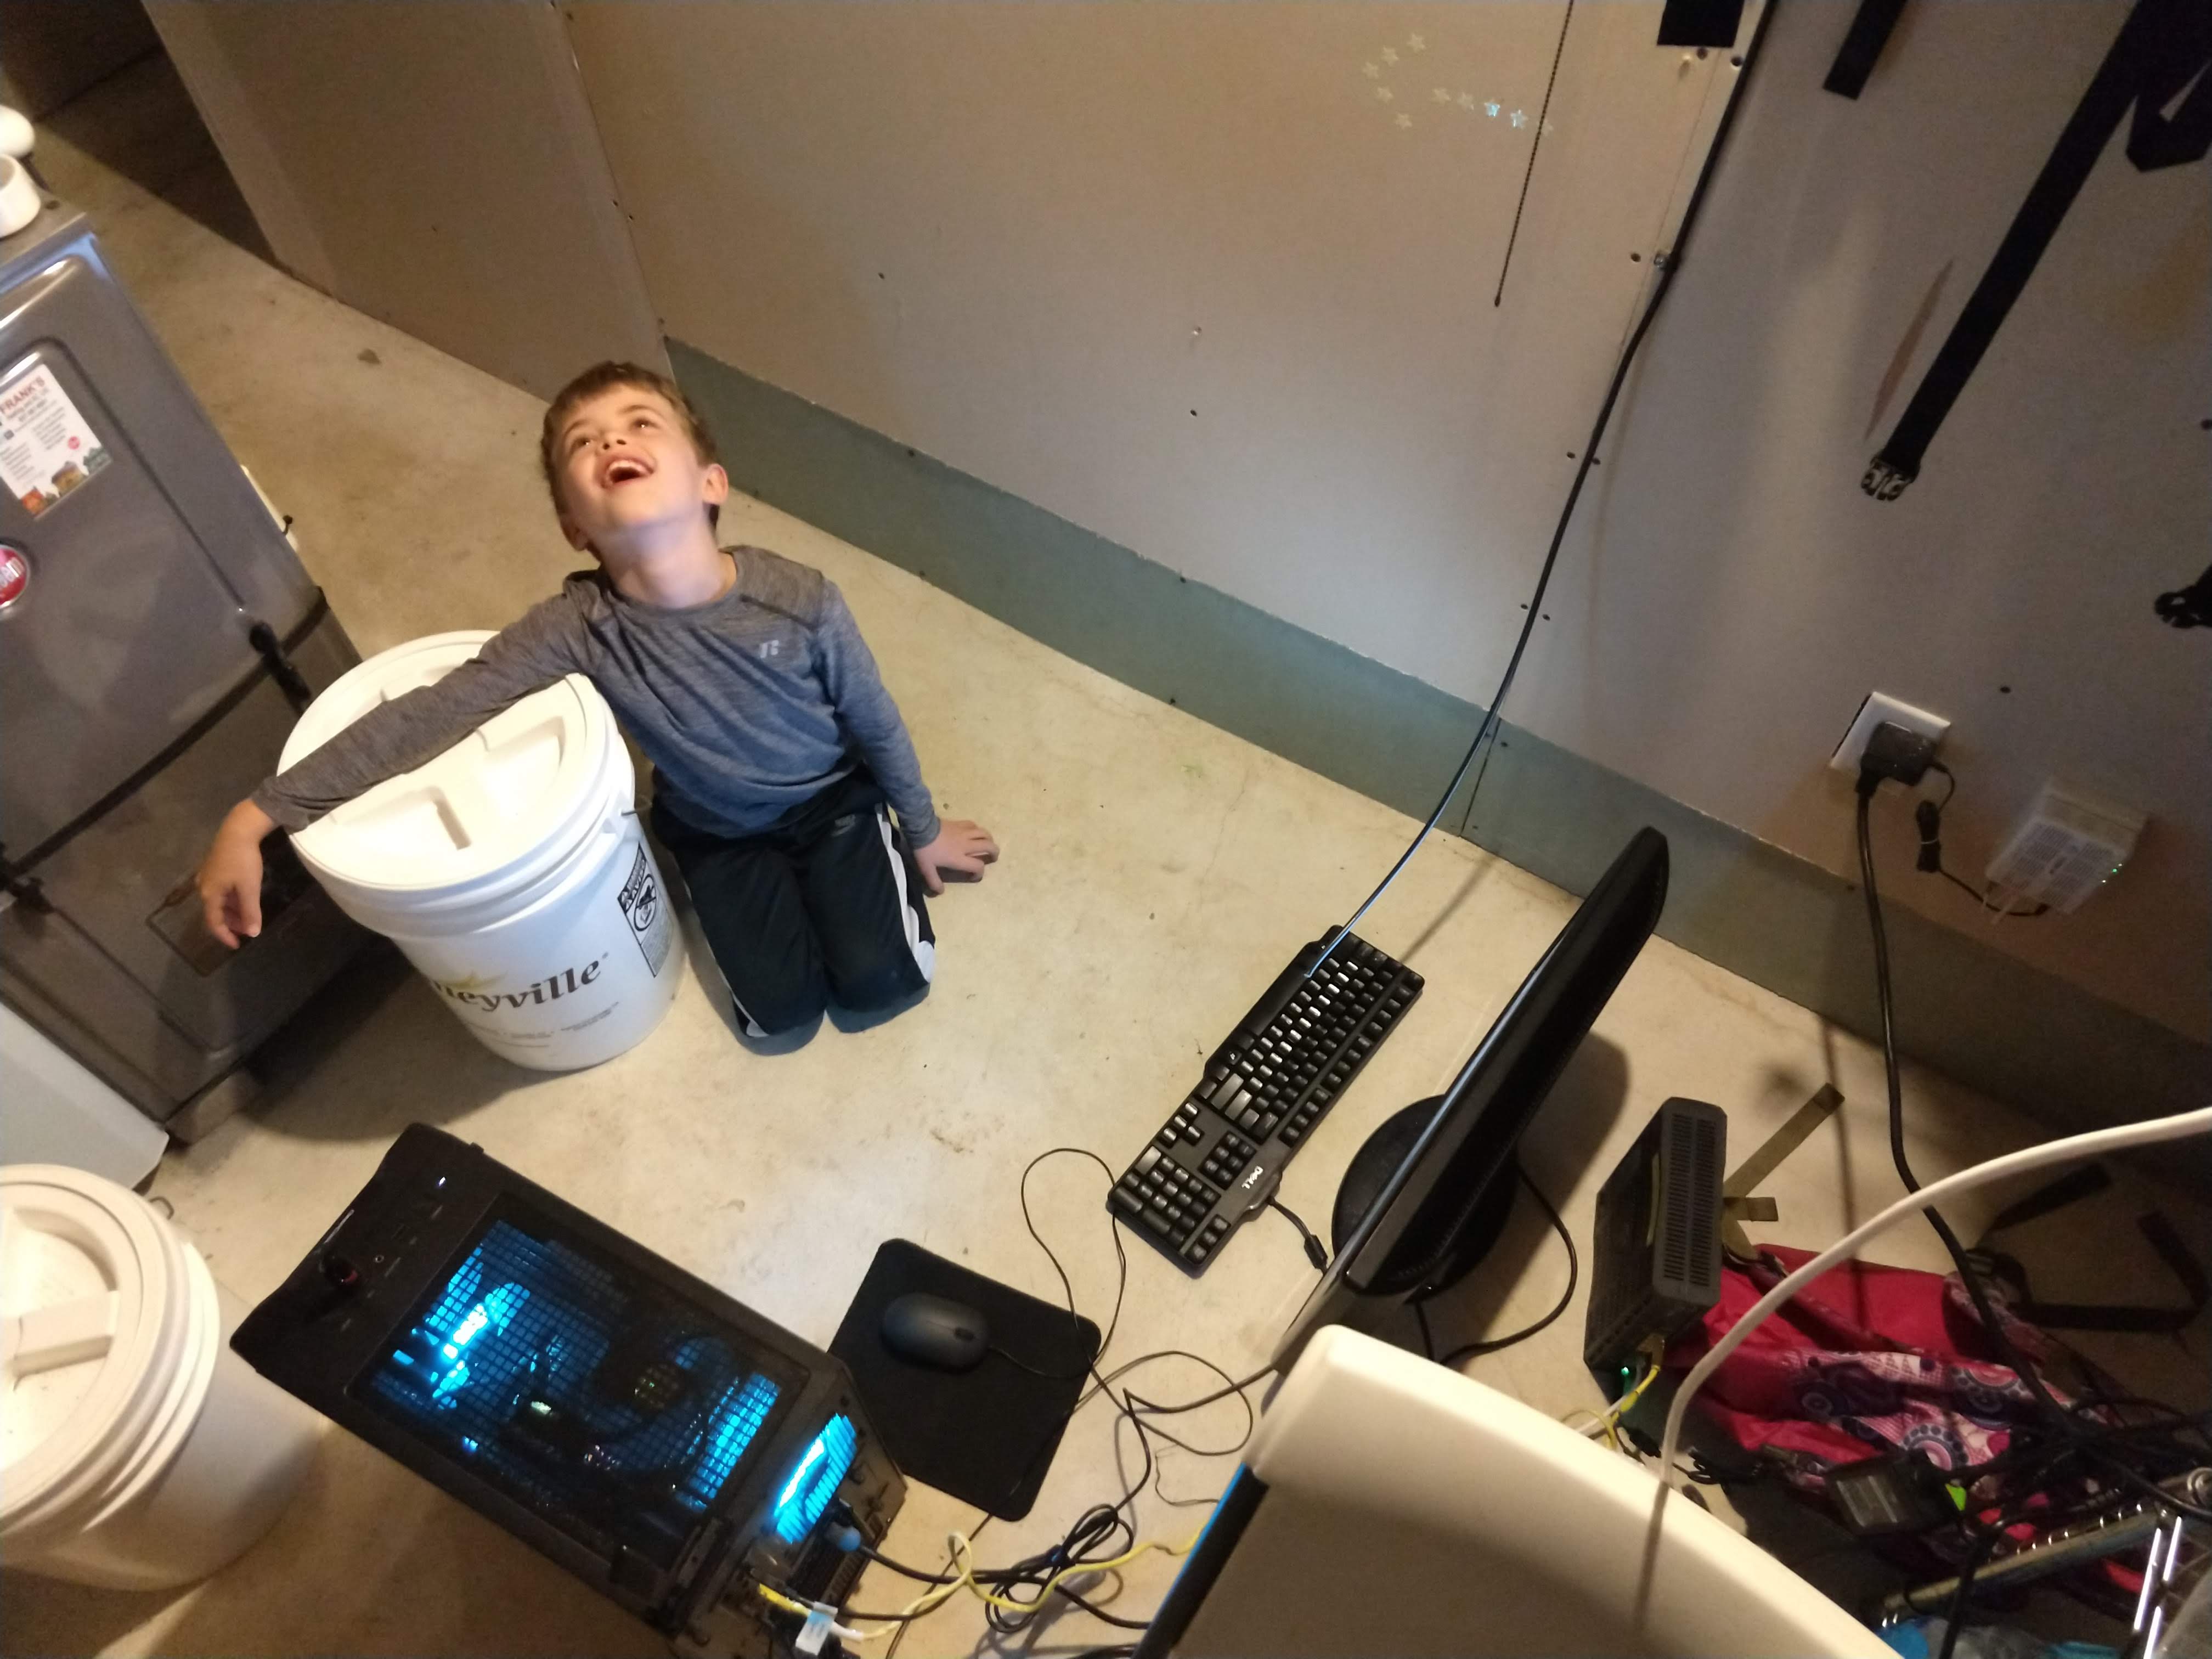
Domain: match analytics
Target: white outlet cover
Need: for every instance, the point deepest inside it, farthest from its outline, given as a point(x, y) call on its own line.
point(1879, 708)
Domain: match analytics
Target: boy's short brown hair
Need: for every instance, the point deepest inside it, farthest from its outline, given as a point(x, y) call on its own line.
point(605, 377)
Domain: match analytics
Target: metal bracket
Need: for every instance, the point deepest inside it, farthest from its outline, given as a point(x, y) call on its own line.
point(1737, 1204)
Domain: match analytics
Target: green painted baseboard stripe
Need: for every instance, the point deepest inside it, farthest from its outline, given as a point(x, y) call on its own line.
point(1985, 1019)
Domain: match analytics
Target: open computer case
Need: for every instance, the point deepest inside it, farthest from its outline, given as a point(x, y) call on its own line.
point(665, 1443)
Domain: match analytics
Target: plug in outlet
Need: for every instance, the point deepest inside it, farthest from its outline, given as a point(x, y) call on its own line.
point(1877, 709)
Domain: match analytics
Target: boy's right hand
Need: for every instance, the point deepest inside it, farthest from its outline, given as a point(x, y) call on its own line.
point(230, 877)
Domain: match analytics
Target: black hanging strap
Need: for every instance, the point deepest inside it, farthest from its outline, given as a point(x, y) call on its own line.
point(1855, 57)
point(2160, 48)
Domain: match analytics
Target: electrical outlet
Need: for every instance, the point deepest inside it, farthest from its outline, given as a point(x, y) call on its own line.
point(1877, 708)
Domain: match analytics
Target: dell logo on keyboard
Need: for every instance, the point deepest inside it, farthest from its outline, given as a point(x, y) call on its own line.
point(1252, 1177)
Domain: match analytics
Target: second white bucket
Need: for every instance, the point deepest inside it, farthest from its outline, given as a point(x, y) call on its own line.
point(511, 869)
point(137, 1450)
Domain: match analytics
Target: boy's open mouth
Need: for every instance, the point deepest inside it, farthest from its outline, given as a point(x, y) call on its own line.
point(623, 469)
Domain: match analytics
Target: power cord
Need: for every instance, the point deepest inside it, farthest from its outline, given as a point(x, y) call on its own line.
point(1893, 753)
point(1666, 266)
point(2070, 1149)
point(1103, 1537)
point(1928, 818)
point(1471, 1350)
point(1314, 1253)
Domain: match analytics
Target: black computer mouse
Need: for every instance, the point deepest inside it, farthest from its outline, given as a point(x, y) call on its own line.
point(931, 1330)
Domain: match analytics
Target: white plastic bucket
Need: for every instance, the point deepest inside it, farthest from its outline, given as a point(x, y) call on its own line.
point(136, 1451)
point(511, 869)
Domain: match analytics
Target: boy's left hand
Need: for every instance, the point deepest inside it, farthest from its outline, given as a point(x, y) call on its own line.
point(959, 852)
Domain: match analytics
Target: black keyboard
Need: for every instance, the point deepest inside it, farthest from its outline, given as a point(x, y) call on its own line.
point(1221, 1156)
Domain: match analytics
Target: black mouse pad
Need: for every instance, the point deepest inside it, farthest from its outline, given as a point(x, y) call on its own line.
point(985, 1436)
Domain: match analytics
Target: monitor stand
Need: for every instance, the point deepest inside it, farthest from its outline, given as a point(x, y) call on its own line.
point(1441, 1253)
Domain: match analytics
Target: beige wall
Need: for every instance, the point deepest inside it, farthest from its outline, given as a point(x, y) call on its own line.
point(432, 164)
point(1180, 273)
point(1736, 593)
point(1032, 240)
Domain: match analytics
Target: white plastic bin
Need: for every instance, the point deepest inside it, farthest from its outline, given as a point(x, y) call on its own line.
point(136, 1451)
point(511, 869)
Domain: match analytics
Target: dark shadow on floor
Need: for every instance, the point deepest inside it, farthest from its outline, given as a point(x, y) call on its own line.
point(1556, 1150)
point(374, 1052)
point(414, 1572)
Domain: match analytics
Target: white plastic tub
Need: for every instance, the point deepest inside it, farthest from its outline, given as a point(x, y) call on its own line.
point(511, 869)
point(136, 1451)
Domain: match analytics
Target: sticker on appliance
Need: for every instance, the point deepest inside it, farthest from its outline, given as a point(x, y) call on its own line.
point(643, 904)
point(47, 448)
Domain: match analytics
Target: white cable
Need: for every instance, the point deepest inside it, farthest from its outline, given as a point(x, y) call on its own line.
point(2067, 1151)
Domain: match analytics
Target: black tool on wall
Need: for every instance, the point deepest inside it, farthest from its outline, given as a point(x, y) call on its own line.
point(1862, 43)
point(2190, 606)
point(2162, 47)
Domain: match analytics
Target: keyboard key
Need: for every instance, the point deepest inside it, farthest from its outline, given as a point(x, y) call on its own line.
point(1151, 1156)
point(1154, 1220)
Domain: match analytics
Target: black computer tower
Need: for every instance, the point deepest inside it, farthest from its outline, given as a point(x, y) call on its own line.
point(665, 1443)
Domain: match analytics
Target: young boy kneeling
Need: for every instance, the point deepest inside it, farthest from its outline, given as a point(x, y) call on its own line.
point(742, 677)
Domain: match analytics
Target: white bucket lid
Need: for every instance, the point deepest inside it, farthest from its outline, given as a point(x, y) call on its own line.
point(96, 1292)
point(524, 784)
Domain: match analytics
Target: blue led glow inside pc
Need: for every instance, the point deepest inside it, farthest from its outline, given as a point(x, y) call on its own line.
point(656, 1438)
point(814, 1482)
point(535, 1361)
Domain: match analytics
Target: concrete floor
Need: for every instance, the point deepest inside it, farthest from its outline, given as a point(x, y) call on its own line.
point(1157, 875)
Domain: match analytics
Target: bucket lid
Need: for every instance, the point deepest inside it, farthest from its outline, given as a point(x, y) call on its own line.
point(91, 1288)
point(505, 792)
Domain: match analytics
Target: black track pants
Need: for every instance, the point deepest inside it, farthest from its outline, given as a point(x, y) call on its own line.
point(824, 906)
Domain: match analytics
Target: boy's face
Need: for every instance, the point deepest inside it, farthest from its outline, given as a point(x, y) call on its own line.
point(625, 464)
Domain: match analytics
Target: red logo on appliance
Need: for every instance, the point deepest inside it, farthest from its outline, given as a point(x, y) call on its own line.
point(15, 574)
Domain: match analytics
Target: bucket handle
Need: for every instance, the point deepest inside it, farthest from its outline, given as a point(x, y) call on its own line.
point(67, 1333)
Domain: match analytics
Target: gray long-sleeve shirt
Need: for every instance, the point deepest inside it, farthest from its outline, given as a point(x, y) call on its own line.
point(746, 705)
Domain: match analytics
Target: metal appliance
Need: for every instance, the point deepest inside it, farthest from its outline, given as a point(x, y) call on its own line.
point(158, 637)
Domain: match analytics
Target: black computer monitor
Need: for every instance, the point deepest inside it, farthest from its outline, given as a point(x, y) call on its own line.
point(1427, 1194)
